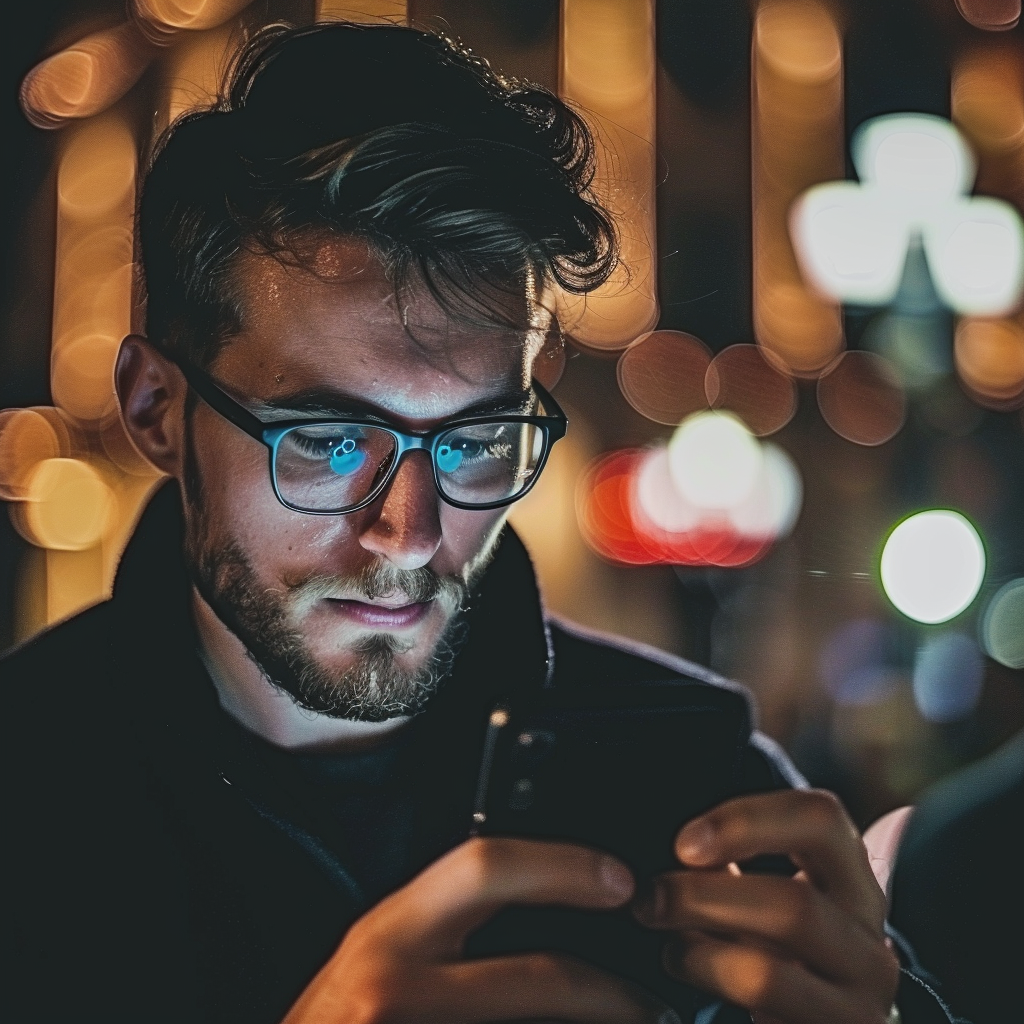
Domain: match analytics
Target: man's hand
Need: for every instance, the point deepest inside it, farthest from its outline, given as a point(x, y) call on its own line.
point(402, 962)
point(804, 950)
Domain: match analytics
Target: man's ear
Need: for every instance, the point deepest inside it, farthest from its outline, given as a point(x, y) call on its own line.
point(151, 392)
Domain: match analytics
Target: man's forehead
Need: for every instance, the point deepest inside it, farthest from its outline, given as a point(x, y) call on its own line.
point(330, 322)
point(340, 273)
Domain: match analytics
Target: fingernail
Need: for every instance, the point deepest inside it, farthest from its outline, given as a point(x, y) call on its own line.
point(617, 878)
point(696, 841)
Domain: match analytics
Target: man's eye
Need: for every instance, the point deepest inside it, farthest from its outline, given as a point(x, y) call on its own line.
point(323, 446)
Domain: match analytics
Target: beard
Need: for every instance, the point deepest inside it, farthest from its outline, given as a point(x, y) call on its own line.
point(375, 686)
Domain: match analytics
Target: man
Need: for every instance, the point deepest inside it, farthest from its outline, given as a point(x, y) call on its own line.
point(240, 790)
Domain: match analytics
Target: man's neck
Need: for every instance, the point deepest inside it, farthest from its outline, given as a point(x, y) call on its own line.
point(253, 701)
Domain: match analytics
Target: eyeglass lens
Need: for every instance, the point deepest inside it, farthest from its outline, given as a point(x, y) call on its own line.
point(332, 467)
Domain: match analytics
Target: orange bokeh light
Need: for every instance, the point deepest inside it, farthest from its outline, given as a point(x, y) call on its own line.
point(67, 506)
point(608, 70)
point(741, 379)
point(662, 375)
point(861, 398)
point(797, 141)
point(990, 358)
point(26, 438)
point(87, 77)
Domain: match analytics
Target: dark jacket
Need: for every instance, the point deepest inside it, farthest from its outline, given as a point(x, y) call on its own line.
point(958, 885)
point(160, 867)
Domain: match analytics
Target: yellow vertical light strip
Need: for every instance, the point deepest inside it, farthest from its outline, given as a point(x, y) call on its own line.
point(70, 504)
point(796, 141)
point(607, 69)
point(92, 273)
point(987, 101)
point(395, 11)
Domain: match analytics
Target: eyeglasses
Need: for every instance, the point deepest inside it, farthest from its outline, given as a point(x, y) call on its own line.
point(334, 466)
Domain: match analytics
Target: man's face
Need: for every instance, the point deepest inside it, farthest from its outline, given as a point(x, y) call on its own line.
point(355, 615)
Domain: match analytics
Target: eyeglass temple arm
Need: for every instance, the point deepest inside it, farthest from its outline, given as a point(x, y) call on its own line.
point(220, 401)
point(550, 403)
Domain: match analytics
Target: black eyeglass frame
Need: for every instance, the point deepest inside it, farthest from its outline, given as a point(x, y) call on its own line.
point(552, 429)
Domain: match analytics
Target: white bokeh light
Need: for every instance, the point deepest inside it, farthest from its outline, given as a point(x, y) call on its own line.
point(1002, 628)
point(659, 498)
point(915, 172)
point(933, 565)
point(714, 460)
point(772, 507)
point(975, 250)
point(920, 155)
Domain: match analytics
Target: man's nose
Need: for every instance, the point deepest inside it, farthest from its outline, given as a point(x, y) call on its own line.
point(403, 525)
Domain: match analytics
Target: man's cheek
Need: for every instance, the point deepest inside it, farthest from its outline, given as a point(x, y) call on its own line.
point(468, 537)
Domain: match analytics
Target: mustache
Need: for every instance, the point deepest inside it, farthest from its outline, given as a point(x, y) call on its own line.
point(381, 580)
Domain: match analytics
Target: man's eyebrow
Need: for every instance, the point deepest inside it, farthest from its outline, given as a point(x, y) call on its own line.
point(329, 403)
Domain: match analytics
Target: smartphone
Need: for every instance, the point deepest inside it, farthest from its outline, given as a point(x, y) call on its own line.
point(617, 767)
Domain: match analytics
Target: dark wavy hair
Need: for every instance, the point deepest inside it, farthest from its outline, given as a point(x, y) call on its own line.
point(400, 137)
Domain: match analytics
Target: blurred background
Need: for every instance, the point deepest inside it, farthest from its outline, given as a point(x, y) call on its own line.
point(795, 450)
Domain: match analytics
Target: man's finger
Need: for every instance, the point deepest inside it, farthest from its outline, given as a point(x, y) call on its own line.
point(755, 979)
point(543, 986)
point(810, 826)
point(466, 887)
point(787, 913)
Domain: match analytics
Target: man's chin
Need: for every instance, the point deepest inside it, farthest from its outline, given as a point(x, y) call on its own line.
point(364, 674)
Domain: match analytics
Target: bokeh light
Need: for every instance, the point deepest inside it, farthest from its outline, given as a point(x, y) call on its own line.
point(861, 399)
point(633, 510)
point(679, 533)
point(67, 506)
point(975, 250)
point(799, 41)
point(26, 438)
point(714, 459)
point(915, 170)
point(96, 175)
point(990, 15)
point(987, 101)
point(186, 14)
point(603, 509)
point(87, 77)
point(797, 141)
point(948, 675)
point(662, 375)
point(773, 505)
point(743, 381)
point(82, 376)
point(989, 357)
point(933, 565)
point(607, 69)
point(919, 156)
point(1002, 625)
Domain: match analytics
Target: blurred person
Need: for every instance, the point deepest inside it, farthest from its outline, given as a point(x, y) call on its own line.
point(240, 790)
point(958, 891)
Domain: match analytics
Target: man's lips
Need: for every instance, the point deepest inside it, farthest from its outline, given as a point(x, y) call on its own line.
point(379, 616)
